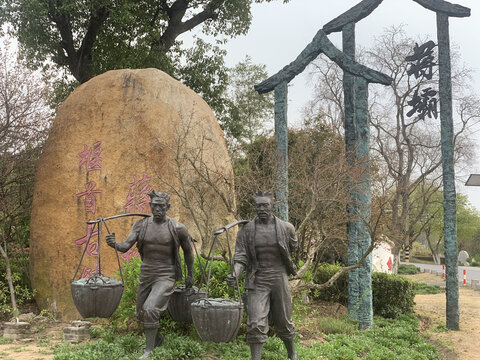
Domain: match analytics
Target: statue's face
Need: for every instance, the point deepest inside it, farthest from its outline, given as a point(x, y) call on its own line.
point(159, 207)
point(264, 207)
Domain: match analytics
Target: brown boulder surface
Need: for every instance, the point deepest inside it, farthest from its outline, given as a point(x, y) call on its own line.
point(116, 137)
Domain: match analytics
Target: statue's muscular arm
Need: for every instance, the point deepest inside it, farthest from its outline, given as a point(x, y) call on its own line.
point(124, 246)
point(184, 238)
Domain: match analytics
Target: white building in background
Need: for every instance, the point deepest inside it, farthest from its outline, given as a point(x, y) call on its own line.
point(382, 258)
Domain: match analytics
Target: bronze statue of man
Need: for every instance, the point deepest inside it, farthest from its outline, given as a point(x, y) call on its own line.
point(158, 239)
point(263, 249)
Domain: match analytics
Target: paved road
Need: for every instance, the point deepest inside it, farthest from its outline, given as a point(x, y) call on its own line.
point(473, 273)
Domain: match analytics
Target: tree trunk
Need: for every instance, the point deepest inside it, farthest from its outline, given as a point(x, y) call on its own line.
point(396, 258)
point(9, 280)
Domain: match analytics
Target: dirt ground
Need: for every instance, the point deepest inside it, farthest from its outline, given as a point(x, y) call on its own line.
point(431, 311)
point(45, 335)
point(455, 345)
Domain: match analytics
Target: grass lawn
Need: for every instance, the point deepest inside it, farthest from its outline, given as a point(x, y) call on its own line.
point(320, 336)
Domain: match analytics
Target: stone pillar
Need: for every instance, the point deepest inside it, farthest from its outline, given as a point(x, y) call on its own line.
point(449, 192)
point(281, 146)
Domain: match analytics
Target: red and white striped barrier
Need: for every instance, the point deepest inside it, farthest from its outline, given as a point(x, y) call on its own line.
point(464, 277)
point(443, 268)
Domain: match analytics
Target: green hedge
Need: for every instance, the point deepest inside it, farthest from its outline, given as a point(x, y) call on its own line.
point(392, 294)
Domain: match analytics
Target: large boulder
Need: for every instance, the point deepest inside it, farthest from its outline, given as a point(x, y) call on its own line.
point(115, 138)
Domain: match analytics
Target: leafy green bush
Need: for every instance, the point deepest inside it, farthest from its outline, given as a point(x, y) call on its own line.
point(21, 282)
point(124, 317)
point(392, 294)
point(474, 260)
point(338, 292)
point(408, 270)
point(217, 287)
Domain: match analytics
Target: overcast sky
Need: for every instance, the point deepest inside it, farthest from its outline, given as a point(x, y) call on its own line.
point(279, 32)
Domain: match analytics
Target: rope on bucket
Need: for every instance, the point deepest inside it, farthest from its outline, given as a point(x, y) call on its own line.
point(98, 225)
point(116, 252)
point(84, 250)
point(212, 252)
point(204, 275)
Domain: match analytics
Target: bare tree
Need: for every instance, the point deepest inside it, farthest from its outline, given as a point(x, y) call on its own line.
point(405, 149)
point(24, 120)
point(408, 146)
point(204, 184)
point(318, 175)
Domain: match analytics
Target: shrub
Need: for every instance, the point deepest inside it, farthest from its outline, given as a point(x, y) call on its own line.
point(474, 260)
point(21, 283)
point(338, 292)
point(408, 270)
point(392, 294)
point(218, 287)
point(124, 317)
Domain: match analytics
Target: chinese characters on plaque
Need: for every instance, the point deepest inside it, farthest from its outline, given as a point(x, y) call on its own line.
point(421, 62)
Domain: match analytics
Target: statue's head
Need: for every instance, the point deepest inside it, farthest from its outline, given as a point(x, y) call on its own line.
point(263, 203)
point(159, 203)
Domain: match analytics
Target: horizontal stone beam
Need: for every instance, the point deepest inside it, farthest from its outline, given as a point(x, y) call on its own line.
point(445, 7)
point(321, 44)
point(353, 15)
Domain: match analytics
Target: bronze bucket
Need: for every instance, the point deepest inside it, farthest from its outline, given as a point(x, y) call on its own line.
point(98, 295)
point(218, 320)
point(180, 301)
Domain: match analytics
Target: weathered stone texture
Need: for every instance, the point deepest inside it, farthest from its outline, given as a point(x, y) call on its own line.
point(113, 138)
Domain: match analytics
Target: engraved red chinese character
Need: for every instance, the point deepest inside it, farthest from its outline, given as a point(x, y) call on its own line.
point(92, 248)
point(137, 199)
point(90, 202)
point(90, 157)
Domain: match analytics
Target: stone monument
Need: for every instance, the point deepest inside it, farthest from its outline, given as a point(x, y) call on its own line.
point(114, 139)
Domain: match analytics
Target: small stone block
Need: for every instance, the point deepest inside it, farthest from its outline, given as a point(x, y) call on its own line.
point(475, 284)
point(75, 334)
point(17, 325)
point(73, 338)
point(81, 323)
point(16, 330)
point(76, 331)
